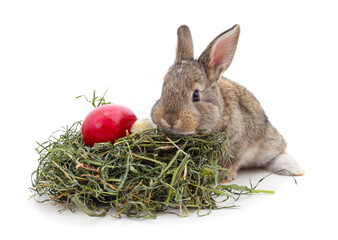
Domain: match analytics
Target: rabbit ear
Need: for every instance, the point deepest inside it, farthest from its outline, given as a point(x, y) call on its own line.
point(185, 48)
point(218, 56)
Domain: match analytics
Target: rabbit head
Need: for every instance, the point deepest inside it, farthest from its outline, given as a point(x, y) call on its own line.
point(191, 98)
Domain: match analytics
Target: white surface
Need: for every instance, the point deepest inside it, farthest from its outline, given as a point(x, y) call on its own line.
point(53, 51)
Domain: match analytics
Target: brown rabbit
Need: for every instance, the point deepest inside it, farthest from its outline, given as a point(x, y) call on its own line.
point(195, 96)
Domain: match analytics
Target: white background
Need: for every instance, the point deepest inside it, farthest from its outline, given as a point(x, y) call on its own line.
point(53, 51)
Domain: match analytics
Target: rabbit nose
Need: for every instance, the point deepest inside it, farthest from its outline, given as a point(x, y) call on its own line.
point(171, 120)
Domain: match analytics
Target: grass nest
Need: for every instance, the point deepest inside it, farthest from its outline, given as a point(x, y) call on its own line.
point(140, 175)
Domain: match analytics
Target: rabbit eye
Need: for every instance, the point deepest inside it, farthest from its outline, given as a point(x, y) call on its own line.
point(196, 96)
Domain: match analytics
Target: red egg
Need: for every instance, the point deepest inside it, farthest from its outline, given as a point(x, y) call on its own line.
point(107, 123)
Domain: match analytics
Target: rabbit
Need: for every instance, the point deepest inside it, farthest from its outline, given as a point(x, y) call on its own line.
point(195, 97)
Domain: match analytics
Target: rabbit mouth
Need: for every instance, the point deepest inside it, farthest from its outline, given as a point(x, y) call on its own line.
point(177, 127)
point(178, 122)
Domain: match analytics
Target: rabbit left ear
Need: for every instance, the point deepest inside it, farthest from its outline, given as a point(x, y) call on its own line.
point(218, 56)
point(185, 48)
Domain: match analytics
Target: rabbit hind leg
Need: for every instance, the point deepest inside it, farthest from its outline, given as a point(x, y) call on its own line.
point(284, 164)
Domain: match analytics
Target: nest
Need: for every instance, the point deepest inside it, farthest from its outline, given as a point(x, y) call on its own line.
point(140, 175)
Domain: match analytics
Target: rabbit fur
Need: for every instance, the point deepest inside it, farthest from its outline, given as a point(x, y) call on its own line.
point(195, 97)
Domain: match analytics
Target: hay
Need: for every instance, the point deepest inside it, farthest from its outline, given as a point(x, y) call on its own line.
point(139, 175)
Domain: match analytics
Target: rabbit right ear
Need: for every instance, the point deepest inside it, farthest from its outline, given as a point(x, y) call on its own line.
point(218, 56)
point(185, 48)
